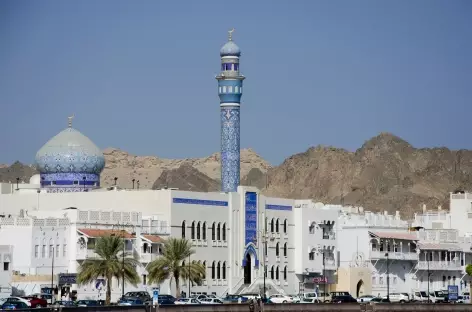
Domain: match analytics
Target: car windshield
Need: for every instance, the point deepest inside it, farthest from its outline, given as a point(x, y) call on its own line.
point(423, 294)
point(376, 299)
point(206, 299)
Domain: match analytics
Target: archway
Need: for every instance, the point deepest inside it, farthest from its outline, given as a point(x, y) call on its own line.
point(247, 270)
point(360, 288)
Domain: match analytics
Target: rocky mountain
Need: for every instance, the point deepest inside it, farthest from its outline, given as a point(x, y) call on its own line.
point(147, 169)
point(386, 173)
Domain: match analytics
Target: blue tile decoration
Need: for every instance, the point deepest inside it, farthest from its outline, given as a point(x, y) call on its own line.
point(278, 207)
point(67, 158)
point(250, 213)
point(230, 149)
point(191, 201)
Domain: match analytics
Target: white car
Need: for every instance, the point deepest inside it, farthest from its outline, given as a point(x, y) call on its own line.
point(420, 296)
point(310, 300)
point(324, 297)
point(280, 299)
point(12, 299)
point(211, 301)
point(398, 297)
point(295, 298)
point(187, 301)
point(365, 299)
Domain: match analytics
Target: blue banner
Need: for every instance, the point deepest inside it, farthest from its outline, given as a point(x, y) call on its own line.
point(251, 218)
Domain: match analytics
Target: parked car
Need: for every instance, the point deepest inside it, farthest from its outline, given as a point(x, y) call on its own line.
point(211, 301)
point(16, 299)
point(279, 298)
point(438, 296)
point(64, 303)
point(251, 296)
point(324, 296)
point(307, 295)
point(14, 305)
point(165, 301)
point(378, 300)
point(87, 303)
point(130, 302)
point(234, 298)
point(310, 300)
point(166, 297)
point(343, 299)
point(199, 297)
point(365, 299)
point(187, 301)
point(36, 302)
point(143, 295)
point(295, 298)
point(399, 297)
point(420, 296)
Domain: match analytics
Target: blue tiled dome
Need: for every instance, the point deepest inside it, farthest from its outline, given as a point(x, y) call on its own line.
point(70, 152)
point(230, 49)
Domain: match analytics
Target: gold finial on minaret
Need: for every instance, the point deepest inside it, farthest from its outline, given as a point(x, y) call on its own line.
point(70, 120)
point(230, 34)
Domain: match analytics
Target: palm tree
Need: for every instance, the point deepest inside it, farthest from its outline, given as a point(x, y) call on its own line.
point(170, 265)
point(468, 271)
point(109, 264)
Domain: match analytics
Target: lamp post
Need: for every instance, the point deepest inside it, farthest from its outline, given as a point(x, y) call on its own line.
point(388, 279)
point(133, 182)
point(122, 227)
point(17, 181)
point(264, 244)
point(189, 276)
point(324, 277)
point(137, 184)
point(115, 178)
point(427, 263)
point(52, 277)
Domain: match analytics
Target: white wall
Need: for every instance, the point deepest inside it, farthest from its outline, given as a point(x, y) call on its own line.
point(6, 265)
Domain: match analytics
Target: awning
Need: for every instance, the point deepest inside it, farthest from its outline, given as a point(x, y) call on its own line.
point(153, 238)
point(94, 233)
point(440, 246)
point(395, 235)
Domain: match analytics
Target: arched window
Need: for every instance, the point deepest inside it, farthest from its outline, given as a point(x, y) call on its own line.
point(218, 232)
point(198, 230)
point(204, 231)
point(285, 273)
point(224, 270)
point(218, 270)
point(277, 226)
point(272, 272)
point(224, 231)
point(213, 231)
point(183, 229)
point(192, 230)
point(205, 267)
point(277, 273)
point(213, 275)
point(285, 250)
point(277, 249)
point(272, 225)
point(285, 226)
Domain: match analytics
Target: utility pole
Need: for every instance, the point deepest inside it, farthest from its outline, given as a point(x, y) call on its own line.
point(123, 262)
point(324, 277)
point(427, 262)
point(52, 277)
point(188, 276)
point(388, 279)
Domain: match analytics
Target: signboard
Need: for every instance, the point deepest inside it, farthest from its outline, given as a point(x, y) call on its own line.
point(453, 292)
point(320, 280)
point(67, 278)
point(155, 297)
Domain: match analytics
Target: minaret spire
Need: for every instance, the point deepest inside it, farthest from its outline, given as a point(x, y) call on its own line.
point(70, 120)
point(230, 89)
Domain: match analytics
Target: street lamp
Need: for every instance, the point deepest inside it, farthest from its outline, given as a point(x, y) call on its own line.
point(388, 279)
point(264, 246)
point(324, 277)
point(427, 262)
point(133, 182)
point(115, 178)
point(52, 276)
point(189, 276)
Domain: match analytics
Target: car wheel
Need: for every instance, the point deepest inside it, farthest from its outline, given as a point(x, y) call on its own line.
point(402, 301)
point(326, 301)
point(285, 301)
point(38, 306)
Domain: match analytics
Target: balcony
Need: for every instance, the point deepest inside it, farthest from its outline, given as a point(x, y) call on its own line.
point(436, 265)
point(148, 257)
point(408, 256)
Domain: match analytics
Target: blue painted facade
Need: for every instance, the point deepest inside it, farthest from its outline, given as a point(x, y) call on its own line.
point(250, 226)
point(191, 201)
point(230, 83)
point(279, 207)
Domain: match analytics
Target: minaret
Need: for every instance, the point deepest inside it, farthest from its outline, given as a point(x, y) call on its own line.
point(230, 89)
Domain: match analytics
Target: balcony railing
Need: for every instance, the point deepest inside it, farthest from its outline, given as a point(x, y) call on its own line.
point(376, 255)
point(436, 265)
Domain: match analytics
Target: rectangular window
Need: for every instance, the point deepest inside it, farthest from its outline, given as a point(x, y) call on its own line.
point(43, 251)
point(381, 280)
point(51, 251)
point(57, 251)
point(6, 266)
point(64, 250)
point(36, 251)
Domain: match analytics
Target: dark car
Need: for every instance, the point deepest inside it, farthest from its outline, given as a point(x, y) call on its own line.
point(130, 302)
point(65, 303)
point(378, 300)
point(143, 295)
point(36, 302)
point(343, 299)
point(87, 303)
point(234, 299)
point(166, 297)
point(14, 305)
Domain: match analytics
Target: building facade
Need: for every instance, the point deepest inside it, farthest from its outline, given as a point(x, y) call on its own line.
point(6, 264)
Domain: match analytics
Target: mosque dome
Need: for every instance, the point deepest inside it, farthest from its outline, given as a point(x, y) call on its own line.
point(70, 152)
point(230, 49)
point(35, 179)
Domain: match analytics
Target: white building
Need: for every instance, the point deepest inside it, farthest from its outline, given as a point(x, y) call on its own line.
point(6, 253)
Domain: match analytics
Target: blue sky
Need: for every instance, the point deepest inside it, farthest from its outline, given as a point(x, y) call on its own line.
point(139, 75)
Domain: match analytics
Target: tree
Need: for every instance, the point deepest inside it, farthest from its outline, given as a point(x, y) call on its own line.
point(109, 264)
point(468, 270)
point(171, 265)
